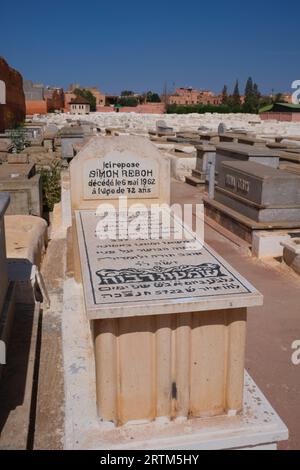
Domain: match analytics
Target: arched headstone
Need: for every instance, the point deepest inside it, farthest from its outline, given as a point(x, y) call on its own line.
point(222, 128)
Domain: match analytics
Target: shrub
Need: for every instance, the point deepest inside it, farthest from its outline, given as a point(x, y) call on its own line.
point(18, 138)
point(51, 186)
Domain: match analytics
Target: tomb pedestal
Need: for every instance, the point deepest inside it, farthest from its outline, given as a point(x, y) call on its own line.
point(24, 186)
point(206, 155)
point(243, 152)
point(250, 196)
point(185, 365)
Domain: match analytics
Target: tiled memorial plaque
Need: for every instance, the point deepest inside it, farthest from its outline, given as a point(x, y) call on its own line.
point(154, 276)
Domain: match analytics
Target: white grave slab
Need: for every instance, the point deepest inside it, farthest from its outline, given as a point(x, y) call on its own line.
point(160, 275)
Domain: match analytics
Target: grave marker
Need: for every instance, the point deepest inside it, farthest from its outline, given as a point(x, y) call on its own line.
point(168, 319)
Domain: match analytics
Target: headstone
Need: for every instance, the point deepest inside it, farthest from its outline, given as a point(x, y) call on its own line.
point(68, 137)
point(24, 186)
point(162, 129)
point(109, 167)
point(222, 128)
point(259, 192)
point(162, 311)
point(206, 155)
point(242, 152)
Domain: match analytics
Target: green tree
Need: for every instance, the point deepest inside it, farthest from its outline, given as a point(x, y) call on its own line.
point(51, 184)
point(88, 95)
point(152, 97)
point(225, 95)
point(252, 97)
point(127, 93)
point(278, 98)
point(236, 97)
point(128, 101)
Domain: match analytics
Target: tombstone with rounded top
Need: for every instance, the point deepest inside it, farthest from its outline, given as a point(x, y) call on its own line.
point(108, 168)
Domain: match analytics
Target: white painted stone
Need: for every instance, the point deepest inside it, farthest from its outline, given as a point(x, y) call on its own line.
point(181, 166)
point(258, 425)
point(110, 167)
point(267, 244)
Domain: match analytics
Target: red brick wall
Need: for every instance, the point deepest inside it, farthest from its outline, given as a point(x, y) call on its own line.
point(36, 107)
point(104, 109)
point(287, 117)
point(13, 112)
point(147, 108)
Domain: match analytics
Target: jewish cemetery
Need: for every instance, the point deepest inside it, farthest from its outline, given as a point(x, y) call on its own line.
point(149, 243)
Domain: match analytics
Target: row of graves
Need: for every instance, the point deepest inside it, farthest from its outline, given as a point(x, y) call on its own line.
point(253, 190)
point(46, 147)
point(154, 321)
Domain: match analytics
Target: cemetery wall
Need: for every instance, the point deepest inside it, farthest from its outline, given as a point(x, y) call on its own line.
point(36, 107)
point(13, 112)
point(286, 117)
point(148, 108)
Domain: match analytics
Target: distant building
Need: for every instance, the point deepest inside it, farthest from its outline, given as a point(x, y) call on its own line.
point(55, 97)
point(42, 100)
point(80, 105)
point(69, 95)
point(100, 97)
point(287, 97)
point(12, 100)
point(192, 96)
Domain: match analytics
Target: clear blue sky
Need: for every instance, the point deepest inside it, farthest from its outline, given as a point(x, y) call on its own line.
point(139, 45)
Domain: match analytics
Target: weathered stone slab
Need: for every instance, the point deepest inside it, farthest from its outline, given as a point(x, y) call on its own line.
point(260, 184)
point(154, 276)
point(291, 254)
point(206, 155)
point(259, 192)
point(243, 152)
point(24, 186)
point(68, 137)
